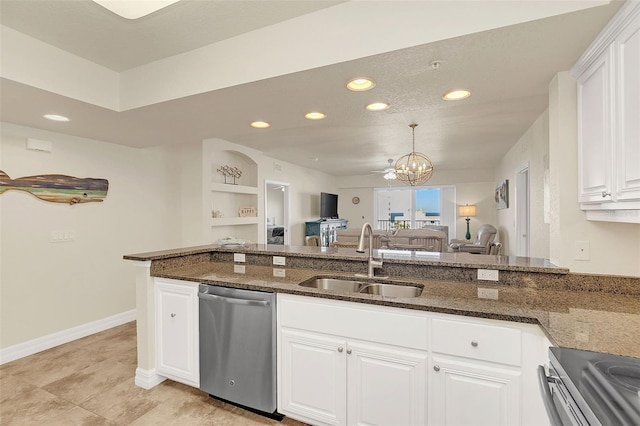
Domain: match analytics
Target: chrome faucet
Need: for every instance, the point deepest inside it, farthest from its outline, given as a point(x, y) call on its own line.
point(372, 263)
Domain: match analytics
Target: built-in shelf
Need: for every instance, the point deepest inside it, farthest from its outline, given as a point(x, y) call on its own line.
point(227, 221)
point(236, 189)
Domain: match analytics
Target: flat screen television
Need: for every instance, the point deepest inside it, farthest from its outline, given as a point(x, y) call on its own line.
point(328, 206)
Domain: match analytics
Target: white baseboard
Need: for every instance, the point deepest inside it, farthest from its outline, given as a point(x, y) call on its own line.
point(40, 344)
point(146, 379)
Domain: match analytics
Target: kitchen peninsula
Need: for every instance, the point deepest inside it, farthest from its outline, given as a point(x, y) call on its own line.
point(532, 301)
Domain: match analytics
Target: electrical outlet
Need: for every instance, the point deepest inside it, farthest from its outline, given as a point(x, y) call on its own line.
point(239, 269)
point(239, 257)
point(279, 272)
point(279, 260)
point(488, 274)
point(488, 293)
point(581, 250)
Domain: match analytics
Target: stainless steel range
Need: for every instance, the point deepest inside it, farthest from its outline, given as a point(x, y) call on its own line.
point(591, 388)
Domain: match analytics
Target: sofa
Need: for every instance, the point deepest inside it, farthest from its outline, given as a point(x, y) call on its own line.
point(401, 239)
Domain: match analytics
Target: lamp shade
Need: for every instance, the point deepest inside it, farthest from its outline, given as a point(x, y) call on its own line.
point(467, 210)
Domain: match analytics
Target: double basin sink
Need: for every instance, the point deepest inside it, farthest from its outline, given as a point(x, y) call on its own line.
point(363, 287)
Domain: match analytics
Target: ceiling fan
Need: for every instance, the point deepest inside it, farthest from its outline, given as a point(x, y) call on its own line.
point(389, 171)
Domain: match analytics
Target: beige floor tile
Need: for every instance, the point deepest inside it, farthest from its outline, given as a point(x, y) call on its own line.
point(125, 331)
point(192, 412)
point(123, 403)
point(12, 388)
point(33, 407)
point(91, 381)
point(51, 365)
point(78, 417)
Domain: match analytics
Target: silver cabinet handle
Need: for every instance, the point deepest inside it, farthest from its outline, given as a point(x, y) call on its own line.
point(606, 194)
point(474, 343)
point(340, 349)
point(349, 351)
point(173, 315)
point(234, 300)
point(436, 368)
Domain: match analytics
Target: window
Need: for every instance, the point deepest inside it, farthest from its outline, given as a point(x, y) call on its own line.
point(415, 208)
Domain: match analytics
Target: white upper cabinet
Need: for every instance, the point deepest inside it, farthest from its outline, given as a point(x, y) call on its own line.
point(627, 48)
point(608, 76)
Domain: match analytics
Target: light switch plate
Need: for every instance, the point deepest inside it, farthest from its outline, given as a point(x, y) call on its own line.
point(64, 236)
point(239, 257)
point(279, 260)
point(488, 274)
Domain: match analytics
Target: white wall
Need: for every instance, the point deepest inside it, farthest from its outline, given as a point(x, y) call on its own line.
point(531, 149)
point(615, 247)
point(49, 287)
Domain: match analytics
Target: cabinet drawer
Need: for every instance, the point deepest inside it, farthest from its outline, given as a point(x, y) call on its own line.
point(383, 324)
point(477, 341)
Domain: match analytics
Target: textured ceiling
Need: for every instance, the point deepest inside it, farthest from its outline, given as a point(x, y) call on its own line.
point(508, 70)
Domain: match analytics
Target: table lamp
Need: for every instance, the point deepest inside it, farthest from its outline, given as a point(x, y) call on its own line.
point(467, 212)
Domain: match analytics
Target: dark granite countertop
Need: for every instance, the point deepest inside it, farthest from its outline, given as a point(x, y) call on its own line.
point(592, 320)
point(454, 259)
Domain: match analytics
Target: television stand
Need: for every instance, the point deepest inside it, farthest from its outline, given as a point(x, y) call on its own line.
point(326, 229)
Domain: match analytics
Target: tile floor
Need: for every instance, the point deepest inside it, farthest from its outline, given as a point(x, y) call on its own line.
point(90, 381)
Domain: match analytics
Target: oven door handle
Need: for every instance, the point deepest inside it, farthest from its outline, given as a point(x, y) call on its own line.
point(547, 397)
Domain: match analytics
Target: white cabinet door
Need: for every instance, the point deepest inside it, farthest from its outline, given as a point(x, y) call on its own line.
point(386, 385)
point(474, 394)
point(312, 385)
point(628, 112)
point(177, 328)
point(594, 131)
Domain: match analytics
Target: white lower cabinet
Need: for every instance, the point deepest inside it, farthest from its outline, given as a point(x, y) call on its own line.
point(177, 346)
point(344, 363)
point(330, 375)
point(333, 381)
point(312, 380)
point(385, 385)
point(468, 393)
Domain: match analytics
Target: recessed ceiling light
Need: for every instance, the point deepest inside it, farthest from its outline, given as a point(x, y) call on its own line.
point(360, 84)
point(456, 95)
point(134, 9)
point(315, 115)
point(260, 124)
point(56, 117)
point(378, 106)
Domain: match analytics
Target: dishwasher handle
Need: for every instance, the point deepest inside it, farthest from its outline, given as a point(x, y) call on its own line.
point(547, 397)
point(234, 300)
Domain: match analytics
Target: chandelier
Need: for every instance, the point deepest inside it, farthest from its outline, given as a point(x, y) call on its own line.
point(414, 168)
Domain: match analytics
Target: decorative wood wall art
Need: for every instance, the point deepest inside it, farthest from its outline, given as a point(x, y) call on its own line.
point(58, 188)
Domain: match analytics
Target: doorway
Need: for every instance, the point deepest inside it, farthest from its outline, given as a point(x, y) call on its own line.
point(276, 202)
point(522, 211)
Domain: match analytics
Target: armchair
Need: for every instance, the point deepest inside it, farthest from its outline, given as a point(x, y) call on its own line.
point(482, 244)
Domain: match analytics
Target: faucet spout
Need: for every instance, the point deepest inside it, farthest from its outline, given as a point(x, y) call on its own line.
point(371, 263)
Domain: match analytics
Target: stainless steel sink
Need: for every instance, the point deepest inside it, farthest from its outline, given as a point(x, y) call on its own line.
point(391, 290)
point(349, 286)
point(333, 284)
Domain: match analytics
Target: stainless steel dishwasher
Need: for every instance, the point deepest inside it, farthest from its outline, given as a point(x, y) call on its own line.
point(238, 346)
